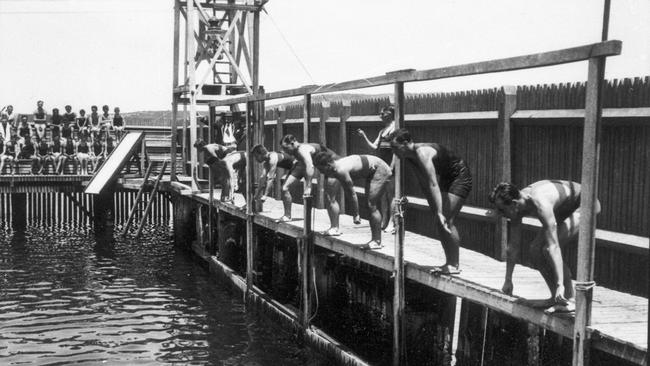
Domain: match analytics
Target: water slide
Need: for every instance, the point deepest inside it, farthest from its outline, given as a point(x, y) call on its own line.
point(112, 167)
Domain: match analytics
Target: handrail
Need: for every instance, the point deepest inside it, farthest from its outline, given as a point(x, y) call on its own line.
point(558, 57)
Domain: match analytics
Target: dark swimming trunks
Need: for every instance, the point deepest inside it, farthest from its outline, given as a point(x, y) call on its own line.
point(118, 121)
point(454, 173)
point(285, 161)
point(69, 147)
point(299, 168)
point(83, 148)
point(27, 151)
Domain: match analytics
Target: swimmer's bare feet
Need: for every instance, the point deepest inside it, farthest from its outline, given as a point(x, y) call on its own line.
point(447, 269)
point(284, 218)
point(356, 219)
point(373, 245)
point(331, 232)
point(558, 308)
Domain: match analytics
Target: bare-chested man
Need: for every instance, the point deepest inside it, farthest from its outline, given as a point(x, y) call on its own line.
point(446, 182)
point(377, 175)
point(224, 167)
point(271, 161)
point(556, 203)
point(304, 168)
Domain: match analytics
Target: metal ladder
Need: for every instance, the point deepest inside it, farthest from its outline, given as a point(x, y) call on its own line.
point(138, 198)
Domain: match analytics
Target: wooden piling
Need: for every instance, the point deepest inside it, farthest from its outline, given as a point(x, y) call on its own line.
point(344, 114)
point(279, 133)
point(103, 212)
point(322, 138)
point(398, 264)
point(19, 210)
point(507, 106)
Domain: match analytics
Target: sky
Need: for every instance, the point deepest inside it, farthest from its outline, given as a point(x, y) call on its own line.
point(119, 52)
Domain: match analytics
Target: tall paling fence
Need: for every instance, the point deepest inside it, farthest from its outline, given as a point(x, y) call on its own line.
point(546, 143)
point(50, 208)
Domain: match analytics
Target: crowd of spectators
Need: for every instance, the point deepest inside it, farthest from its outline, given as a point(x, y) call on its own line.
point(56, 139)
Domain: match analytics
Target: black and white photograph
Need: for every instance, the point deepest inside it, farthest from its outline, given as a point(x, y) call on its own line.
point(342, 182)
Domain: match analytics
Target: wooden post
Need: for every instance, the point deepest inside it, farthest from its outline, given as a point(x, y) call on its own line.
point(259, 139)
point(345, 112)
point(322, 138)
point(189, 64)
point(306, 110)
point(250, 123)
point(588, 204)
point(398, 264)
point(19, 210)
point(103, 209)
point(306, 260)
point(177, 16)
point(279, 133)
point(211, 123)
point(306, 251)
point(507, 106)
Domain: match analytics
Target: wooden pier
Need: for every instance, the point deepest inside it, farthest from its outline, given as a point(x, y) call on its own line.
point(619, 320)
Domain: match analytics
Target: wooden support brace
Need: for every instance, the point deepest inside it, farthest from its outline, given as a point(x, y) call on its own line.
point(322, 138)
point(345, 112)
point(398, 264)
point(507, 107)
point(279, 133)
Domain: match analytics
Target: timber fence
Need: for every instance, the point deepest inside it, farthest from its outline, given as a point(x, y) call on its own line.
point(546, 143)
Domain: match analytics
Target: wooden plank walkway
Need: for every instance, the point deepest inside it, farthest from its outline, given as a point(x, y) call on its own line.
point(619, 320)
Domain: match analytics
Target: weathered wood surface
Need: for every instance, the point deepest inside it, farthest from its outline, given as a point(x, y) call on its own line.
point(619, 321)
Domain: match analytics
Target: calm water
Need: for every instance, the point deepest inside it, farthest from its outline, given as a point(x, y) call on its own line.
point(70, 297)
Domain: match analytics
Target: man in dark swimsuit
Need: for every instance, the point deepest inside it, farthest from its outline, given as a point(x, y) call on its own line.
point(377, 176)
point(83, 150)
point(118, 123)
point(304, 168)
point(70, 155)
point(556, 204)
point(271, 161)
point(24, 131)
point(8, 155)
point(98, 154)
point(69, 116)
point(223, 170)
point(28, 152)
point(44, 155)
point(56, 121)
point(57, 154)
point(445, 195)
point(40, 119)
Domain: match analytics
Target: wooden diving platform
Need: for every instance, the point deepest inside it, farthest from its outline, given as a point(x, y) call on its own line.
point(619, 323)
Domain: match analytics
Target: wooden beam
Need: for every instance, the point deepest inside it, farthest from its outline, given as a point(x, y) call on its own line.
point(588, 204)
point(279, 133)
point(250, 213)
point(344, 115)
point(507, 106)
point(399, 338)
point(322, 138)
point(255, 44)
point(568, 55)
point(306, 117)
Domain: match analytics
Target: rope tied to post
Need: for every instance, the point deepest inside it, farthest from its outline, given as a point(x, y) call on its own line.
point(399, 205)
point(585, 286)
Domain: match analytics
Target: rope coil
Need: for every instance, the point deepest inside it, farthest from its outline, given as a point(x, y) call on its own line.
point(585, 286)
